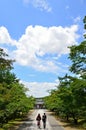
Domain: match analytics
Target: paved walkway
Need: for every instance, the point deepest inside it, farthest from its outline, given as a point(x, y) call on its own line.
point(30, 124)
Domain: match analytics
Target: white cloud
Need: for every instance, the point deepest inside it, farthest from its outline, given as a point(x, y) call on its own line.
point(5, 37)
point(77, 19)
point(39, 46)
point(37, 89)
point(41, 4)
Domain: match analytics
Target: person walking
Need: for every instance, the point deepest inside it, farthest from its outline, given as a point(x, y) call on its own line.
point(38, 118)
point(44, 118)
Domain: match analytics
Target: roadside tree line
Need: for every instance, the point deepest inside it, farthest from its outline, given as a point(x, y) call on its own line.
point(68, 100)
point(13, 101)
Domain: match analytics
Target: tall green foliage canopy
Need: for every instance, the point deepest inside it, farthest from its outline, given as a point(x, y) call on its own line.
point(13, 99)
point(78, 56)
point(69, 100)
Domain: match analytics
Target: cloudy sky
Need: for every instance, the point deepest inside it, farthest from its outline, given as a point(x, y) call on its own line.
point(37, 34)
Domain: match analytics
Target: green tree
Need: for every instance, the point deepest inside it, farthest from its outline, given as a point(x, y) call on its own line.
point(5, 64)
point(69, 99)
point(13, 99)
point(78, 56)
point(84, 21)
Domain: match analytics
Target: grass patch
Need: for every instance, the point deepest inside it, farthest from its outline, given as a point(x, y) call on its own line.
point(81, 125)
point(12, 125)
point(69, 125)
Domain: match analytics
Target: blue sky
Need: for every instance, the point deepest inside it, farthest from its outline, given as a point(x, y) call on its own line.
point(37, 33)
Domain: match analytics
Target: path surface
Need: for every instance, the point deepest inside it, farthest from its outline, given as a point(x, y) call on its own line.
point(30, 124)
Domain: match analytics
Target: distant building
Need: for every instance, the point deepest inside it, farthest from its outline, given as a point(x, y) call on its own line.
point(39, 104)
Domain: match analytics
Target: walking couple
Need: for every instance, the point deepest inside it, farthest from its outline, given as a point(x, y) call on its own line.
point(43, 118)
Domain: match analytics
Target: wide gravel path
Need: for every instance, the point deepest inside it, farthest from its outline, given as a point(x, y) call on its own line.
point(30, 123)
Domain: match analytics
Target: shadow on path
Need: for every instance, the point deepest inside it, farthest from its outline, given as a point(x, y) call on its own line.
point(26, 124)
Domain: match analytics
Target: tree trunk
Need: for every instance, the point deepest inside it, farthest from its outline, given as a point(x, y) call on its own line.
point(74, 118)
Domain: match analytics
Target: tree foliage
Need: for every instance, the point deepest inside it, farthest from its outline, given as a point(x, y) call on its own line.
point(69, 99)
point(78, 56)
point(13, 100)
